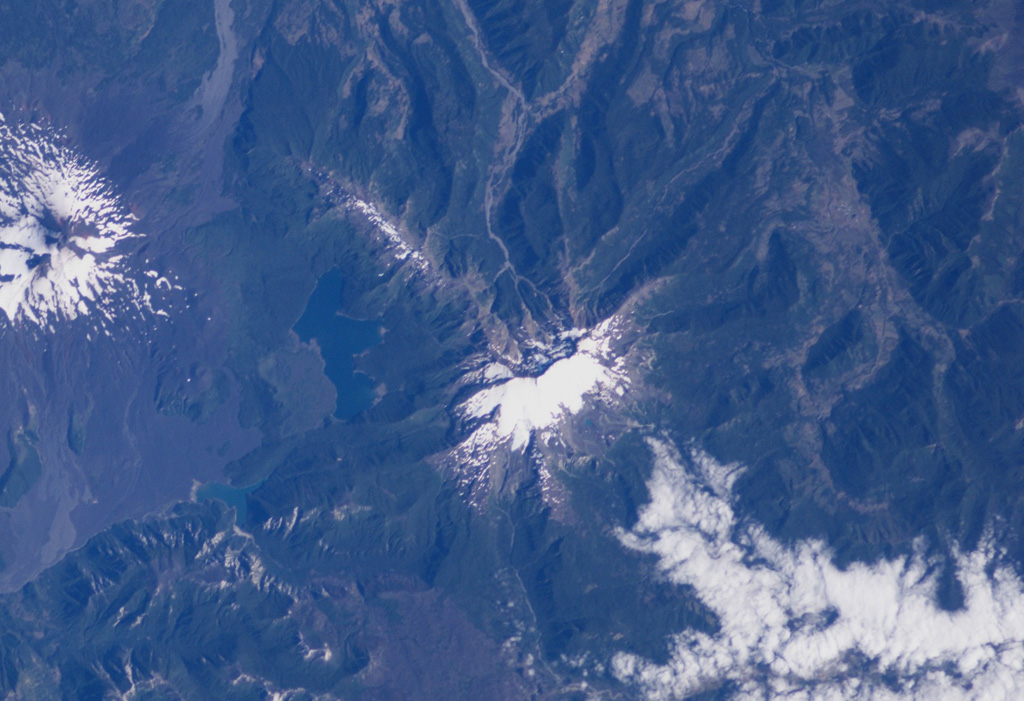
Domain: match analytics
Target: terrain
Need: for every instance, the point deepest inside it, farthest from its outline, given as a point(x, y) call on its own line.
point(484, 322)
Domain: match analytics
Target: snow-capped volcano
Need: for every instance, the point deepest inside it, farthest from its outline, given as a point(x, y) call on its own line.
point(61, 228)
point(512, 411)
point(520, 406)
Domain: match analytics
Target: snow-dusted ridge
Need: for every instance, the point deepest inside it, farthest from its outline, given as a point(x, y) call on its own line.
point(395, 242)
point(793, 625)
point(63, 235)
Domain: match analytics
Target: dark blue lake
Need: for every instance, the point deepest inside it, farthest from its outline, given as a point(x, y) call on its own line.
point(340, 338)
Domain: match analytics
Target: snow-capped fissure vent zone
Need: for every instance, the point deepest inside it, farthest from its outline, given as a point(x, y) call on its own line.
point(62, 235)
point(793, 625)
point(394, 240)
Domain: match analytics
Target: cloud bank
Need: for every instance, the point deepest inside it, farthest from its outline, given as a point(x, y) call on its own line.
point(793, 625)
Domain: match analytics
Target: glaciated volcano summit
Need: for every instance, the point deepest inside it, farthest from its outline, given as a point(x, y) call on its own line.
point(61, 232)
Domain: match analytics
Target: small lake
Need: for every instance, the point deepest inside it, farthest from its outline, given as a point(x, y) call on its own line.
point(340, 338)
point(232, 496)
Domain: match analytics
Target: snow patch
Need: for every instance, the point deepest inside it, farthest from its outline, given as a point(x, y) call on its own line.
point(793, 624)
point(497, 371)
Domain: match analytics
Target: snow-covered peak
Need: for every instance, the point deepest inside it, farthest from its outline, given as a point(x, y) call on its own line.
point(519, 406)
point(62, 228)
point(525, 404)
point(523, 413)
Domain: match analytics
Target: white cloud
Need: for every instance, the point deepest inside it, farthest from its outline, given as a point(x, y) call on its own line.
point(61, 227)
point(793, 625)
